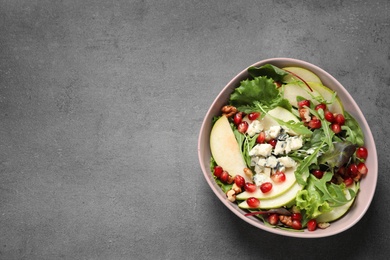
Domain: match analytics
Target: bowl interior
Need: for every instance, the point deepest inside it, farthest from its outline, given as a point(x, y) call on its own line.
point(367, 185)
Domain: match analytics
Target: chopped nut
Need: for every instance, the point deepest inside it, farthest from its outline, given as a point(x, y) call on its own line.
point(323, 225)
point(248, 172)
point(231, 195)
point(236, 188)
point(230, 179)
point(287, 220)
point(229, 111)
point(304, 114)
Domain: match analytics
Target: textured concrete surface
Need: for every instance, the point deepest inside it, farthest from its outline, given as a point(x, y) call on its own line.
point(100, 107)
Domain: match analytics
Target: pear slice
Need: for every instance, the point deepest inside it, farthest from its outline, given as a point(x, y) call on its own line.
point(292, 90)
point(304, 74)
point(338, 212)
point(225, 149)
point(277, 188)
point(327, 94)
point(280, 201)
point(277, 112)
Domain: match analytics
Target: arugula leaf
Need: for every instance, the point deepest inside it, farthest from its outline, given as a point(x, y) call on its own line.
point(269, 70)
point(303, 170)
point(354, 133)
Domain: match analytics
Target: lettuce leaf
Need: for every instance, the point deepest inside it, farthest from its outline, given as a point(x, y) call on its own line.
point(268, 70)
point(258, 94)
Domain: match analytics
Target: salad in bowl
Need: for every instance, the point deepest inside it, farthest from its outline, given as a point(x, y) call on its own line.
point(288, 150)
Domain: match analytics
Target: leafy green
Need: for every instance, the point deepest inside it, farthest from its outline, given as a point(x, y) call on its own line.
point(354, 133)
point(269, 70)
point(303, 170)
point(321, 195)
point(258, 94)
point(338, 156)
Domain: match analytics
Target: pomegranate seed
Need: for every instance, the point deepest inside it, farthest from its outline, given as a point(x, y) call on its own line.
point(339, 119)
point(304, 103)
point(260, 138)
point(348, 181)
point(278, 177)
point(224, 176)
point(250, 187)
point(312, 225)
point(272, 142)
point(239, 181)
point(362, 168)
point(315, 123)
point(266, 187)
point(242, 127)
point(296, 224)
point(318, 173)
point(342, 172)
point(296, 216)
point(237, 119)
point(273, 219)
point(320, 106)
point(336, 128)
point(329, 116)
point(352, 170)
point(253, 202)
point(362, 153)
point(253, 115)
point(218, 171)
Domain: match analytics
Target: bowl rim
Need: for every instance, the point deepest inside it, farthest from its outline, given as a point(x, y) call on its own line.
point(343, 94)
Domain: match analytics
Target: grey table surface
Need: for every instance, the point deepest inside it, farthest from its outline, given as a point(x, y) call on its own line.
point(101, 103)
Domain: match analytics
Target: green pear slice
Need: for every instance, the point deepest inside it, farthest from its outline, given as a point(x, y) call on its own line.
point(277, 188)
point(282, 200)
point(292, 90)
point(327, 94)
point(225, 149)
point(304, 74)
point(337, 212)
point(279, 113)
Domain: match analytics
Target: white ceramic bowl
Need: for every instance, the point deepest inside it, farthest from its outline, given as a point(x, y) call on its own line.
point(367, 186)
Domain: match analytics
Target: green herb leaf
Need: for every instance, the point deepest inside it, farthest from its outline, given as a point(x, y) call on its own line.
point(268, 70)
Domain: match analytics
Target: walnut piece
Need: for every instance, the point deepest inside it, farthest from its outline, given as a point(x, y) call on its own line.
point(229, 111)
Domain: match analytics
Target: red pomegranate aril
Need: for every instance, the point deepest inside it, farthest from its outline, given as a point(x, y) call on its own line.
point(362, 153)
point(278, 177)
point(239, 181)
point(260, 138)
point(348, 181)
point(237, 119)
point(273, 219)
point(218, 171)
point(312, 225)
point(296, 224)
point(242, 127)
point(329, 116)
point(250, 187)
point(336, 128)
point(253, 115)
point(315, 124)
point(272, 142)
point(362, 168)
point(318, 173)
point(266, 187)
point(253, 202)
point(320, 106)
point(352, 170)
point(296, 216)
point(339, 119)
point(224, 176)
point(303, 103)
